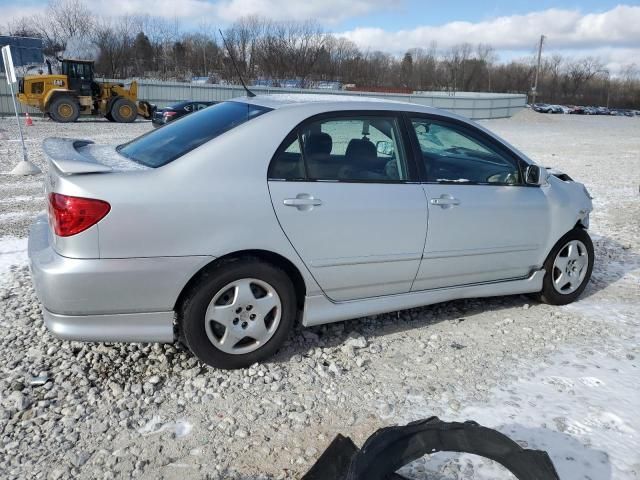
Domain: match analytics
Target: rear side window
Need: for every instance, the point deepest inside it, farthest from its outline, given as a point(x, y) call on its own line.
point(365, 148)
point(175, 139)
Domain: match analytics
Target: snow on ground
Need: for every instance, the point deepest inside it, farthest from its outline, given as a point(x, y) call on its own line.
point(13, 251)
point(565, 380)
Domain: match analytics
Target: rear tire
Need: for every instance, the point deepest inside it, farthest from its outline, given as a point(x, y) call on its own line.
point(64, 109)
point(238, 314)
point(109, 117)
point(568, 268)
point(124, 110)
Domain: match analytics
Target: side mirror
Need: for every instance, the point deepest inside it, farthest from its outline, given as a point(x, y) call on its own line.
point(535, 175)
point(385, 147)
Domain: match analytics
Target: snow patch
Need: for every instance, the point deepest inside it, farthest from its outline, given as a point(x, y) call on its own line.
point(180, 428)
point(8, 217)
point(13, 251)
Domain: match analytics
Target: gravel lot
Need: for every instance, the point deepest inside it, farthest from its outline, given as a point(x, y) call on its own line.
point(563, 379)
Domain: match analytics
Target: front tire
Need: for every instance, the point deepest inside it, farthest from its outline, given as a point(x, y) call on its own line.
point(238, 314)
point(64, 109)
point(568, 268)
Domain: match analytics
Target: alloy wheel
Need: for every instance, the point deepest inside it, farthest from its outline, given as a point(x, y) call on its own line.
point(570, 267)
point(243, 316)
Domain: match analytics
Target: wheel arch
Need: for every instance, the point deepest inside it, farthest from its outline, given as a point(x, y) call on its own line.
point(581, 224)
point(263, 255)
point(55, 93)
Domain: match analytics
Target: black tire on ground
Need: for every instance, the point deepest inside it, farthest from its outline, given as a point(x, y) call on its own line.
point(124, 110)
point(191, 313)
point(109, 117)
point(64, 109)
point(549, 294)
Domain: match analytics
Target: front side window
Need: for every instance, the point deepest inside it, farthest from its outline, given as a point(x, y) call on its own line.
point(451, 154)
point(175, 139)
point(360, 149)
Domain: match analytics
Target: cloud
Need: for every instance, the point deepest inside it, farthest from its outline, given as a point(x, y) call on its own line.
point(189, 10)
point(563, 28)
point(326, 11)
point(12, 12)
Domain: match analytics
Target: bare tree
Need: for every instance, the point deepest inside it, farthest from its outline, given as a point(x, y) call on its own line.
point(149, 46)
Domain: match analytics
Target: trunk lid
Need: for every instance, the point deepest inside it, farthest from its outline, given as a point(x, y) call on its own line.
point(89, 173)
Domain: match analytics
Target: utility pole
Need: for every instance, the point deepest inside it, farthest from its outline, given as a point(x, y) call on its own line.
point(535, 84)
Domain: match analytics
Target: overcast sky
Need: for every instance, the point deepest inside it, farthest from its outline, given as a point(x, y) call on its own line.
point(513, 27)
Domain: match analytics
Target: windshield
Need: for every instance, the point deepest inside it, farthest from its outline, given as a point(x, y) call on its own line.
point(175, 139)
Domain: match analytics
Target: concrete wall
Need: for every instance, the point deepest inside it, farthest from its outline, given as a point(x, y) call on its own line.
point(469, 104)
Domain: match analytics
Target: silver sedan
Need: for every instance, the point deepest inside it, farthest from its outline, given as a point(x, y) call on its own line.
point(226, 227)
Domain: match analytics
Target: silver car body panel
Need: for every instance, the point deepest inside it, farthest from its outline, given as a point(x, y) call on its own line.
point(319, 309)
point(347, 253)
point(468, 242)
point(124, 327)
point(72, 286)
point(358, 253)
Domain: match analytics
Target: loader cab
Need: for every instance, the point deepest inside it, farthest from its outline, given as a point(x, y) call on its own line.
point(80, 75)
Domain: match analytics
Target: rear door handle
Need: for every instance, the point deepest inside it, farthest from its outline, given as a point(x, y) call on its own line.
point(303, 201)
point(445, 201)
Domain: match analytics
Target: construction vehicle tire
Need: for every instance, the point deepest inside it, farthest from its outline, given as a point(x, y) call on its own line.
point(109, 117)
point(124, 110)
point(64, 109)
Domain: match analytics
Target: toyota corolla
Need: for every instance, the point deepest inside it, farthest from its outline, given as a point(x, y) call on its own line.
point(226, 227)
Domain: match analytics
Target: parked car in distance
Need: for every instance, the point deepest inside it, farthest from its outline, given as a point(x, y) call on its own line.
point(162, 116)
point(226, 228)
point(541, 107)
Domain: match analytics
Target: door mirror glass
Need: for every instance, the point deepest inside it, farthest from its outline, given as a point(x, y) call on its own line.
point(535, 175)
point(385, 147)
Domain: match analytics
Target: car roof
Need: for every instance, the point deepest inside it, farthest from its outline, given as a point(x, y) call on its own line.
point(330, 102)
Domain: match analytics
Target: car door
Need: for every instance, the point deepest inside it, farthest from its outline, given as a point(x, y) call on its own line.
point(485, 224)
point(346, 196)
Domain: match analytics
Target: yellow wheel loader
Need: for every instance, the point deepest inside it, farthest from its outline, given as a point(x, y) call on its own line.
point(74, 92)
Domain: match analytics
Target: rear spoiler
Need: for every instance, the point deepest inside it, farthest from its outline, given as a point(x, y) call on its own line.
point(63, 154)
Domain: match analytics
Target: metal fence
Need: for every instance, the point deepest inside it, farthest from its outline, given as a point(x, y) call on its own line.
point(469, 104)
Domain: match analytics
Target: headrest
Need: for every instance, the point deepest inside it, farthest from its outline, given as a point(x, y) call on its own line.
point(319, 143)
point(361, 150)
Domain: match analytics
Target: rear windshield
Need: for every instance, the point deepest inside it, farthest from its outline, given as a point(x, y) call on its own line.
point(173, 140)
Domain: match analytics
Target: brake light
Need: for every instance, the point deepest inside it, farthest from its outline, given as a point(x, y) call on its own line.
point(72, 215)
point(168, 114)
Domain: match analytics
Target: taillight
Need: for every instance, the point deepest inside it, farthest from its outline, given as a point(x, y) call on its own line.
point(72, 215)
point(168, 114)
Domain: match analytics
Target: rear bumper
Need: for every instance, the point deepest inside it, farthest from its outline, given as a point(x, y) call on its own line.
point(130, 299)
point(124, 327)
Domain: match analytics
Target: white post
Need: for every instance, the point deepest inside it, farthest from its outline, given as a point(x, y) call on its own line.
point(24, 167)
point(535, 84)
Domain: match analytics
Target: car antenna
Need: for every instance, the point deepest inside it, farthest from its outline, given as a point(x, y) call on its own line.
point(235, 66)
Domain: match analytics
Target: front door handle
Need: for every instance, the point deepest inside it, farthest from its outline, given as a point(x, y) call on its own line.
point(445, 201)
point(303, 201)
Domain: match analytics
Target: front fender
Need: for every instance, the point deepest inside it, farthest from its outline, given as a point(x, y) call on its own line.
point(569, 205)
point(51, 94)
